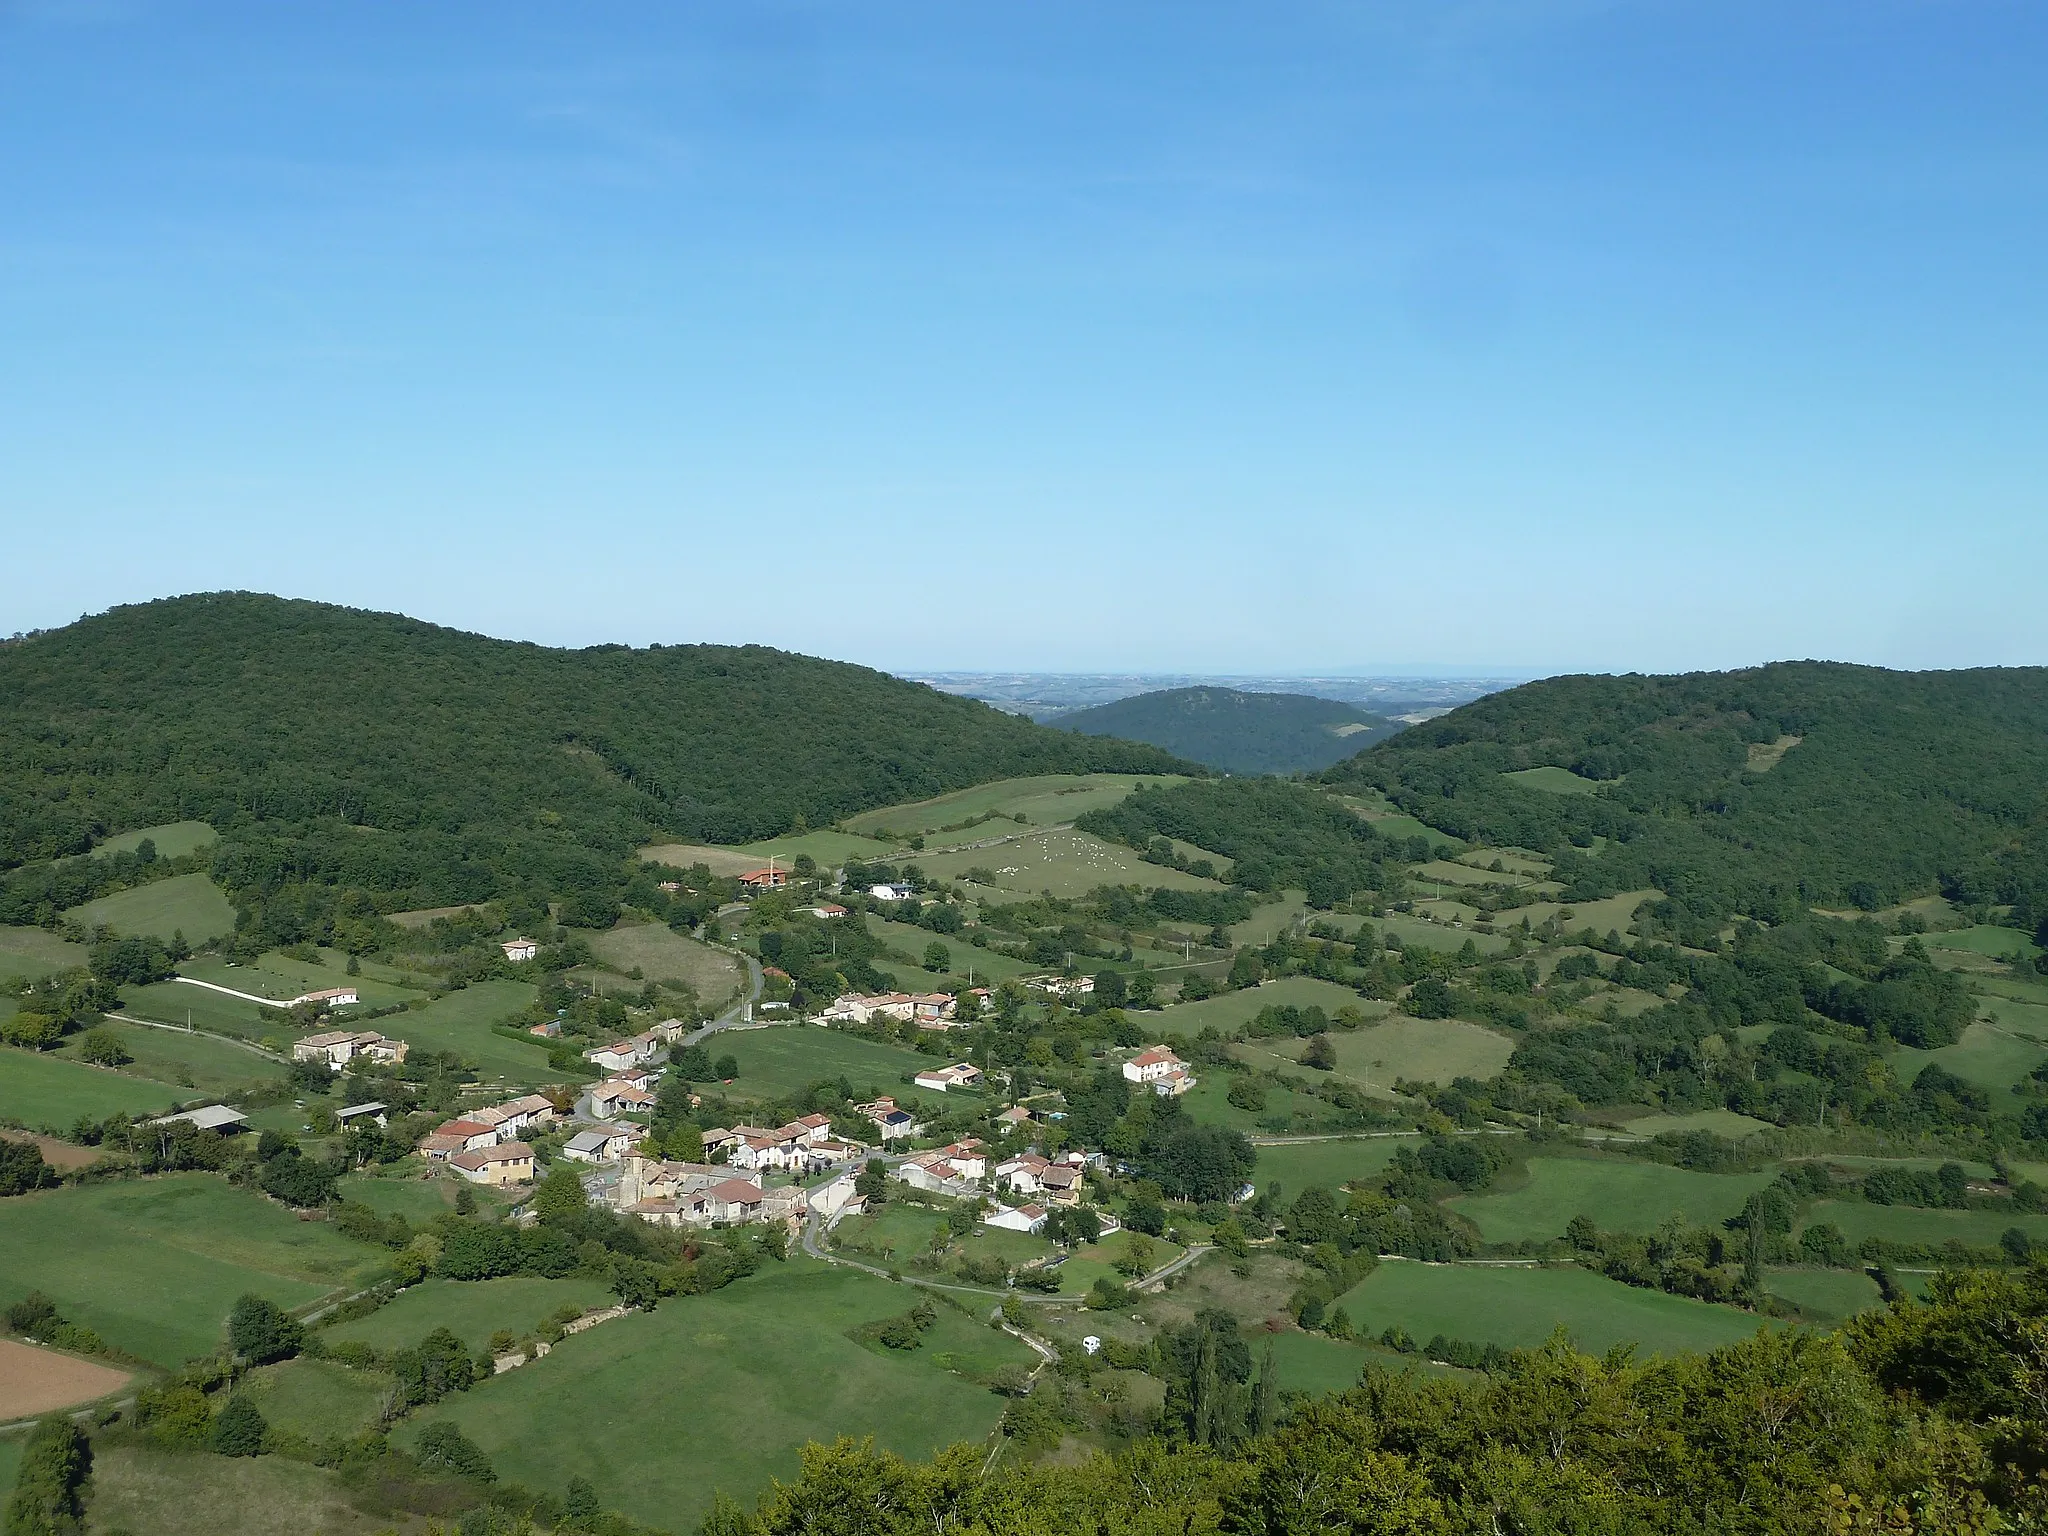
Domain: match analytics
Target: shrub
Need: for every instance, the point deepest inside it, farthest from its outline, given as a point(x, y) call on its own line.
point(443, 1447)
point(261, 1331)
point(54, 1466)
point(22, 1168)
point(238, 1429)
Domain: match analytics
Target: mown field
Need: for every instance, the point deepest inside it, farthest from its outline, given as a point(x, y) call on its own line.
point(1989, 1055)
point(174, 1002)
point(1825, 1295)
point(189, 904)
point(1233, 1010)
point(198, 1064)
point(49, 1092)
point(1722, 1122)
point(1043, 800)
point(471, 1309)
point(155, 1265)
point(156, 1492)
point(316, 1398)
point(1209, 1102)
point(1519, 1307)
point(749, 1373)
point(1425, 1050)
point(279, 978)
point(405, 1193)
point(1619, 1194)
point(1419, 933)
point(661, 954)
point(461, 1022)
point(32, 954)
point(989, 969)
point(1984, 939)
point(1068, 864)
point(1269, 920)
point(1858, 1219)
point(1294, 1166)
point(782, 1061)
point(173, 840)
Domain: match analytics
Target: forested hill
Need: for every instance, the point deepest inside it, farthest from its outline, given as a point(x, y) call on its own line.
point(1238, 732)
point(384, 752)
point(1760, 790)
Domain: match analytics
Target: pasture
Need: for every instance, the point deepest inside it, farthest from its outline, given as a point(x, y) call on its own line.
point(1984, 939)
point(895, 1234)
point(1209, 1102)
point(175, 1002)
point(828, 849)
point(1423, 1050)
point(661, 954)
point(1554, 781)
point(1858, 1219)
point(1295, 1165)
point(173, 840)
point(1721, 1122)
point(36, 1381)
point(1097, 1261)
point(51, 1092)
point(1043, 800)
point(1620, 1194)
point(316, 1398)
point(32, 954)
point(1824, 1295)
point(138, 1486)
point(1068, 864)
point(461, 1022)
point(189, 904)
point(278, 979)
point(402, 1192)
point(783, 1060)
point(754, 1371)
point(2029, 1020)
point(1315, 1363)
point(472, 1310)
point(198, 1064)
point(1233, 1010)
point(1270, 919)
point(1519, 1307)
point(154, 1265)
point(1420, 933)
point(1989, 1055)
point(989, 968)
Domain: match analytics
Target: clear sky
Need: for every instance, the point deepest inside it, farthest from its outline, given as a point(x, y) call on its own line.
point(1088, 336)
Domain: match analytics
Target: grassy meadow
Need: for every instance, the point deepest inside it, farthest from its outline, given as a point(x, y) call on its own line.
point(197, 1064)
point(1425, 1050)
point(154, 1265)
point(177, 1002)
point(1858, 1219)
point(661, 954)
point(461, 1022)
point(1068, 864)
point(472, 1310)
point(1824, 1295)
point(144, 1488)
point(1233, 1010)
point(1989, 1055)
point(189, 904)
point(32, 954)
point(781, 1061)
point(1295, 1165)
point(989, 968)
point(1618, 1193)
point(316, 1398)
point(1555, 781)
point(1043, 800)
point(753, 1371)
point(1722, 1122)
point(51, 1092)
point(173, 840)
point(1420, 933)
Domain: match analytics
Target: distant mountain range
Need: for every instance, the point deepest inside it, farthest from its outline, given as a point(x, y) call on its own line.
point(1052, 696)
point(1238, 732)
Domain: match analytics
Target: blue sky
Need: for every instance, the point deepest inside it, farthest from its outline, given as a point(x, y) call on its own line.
point(1516, 336)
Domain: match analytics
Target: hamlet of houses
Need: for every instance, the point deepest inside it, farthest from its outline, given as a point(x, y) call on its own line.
point(337, 1048)
point(931, 1010)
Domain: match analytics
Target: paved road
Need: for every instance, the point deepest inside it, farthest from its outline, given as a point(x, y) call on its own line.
point(734, 1017)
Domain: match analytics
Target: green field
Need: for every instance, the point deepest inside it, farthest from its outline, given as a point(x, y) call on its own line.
point(316, 1398)
point(173, 840)
point(779, 1062)
point(1233, 1010)
point(988, 968)
point(1556, 781)
point(142, 1487)
point(1315, 1363)
point(51, 1092)
point(1096, 1261)
point(472, 1309)
point(1984, 939)
point(197, 1063)
point(1858, 1219)
point(1296, 1165)
point(1519, 1307)
point(1722, 1122)
point(1825, 1295)
point(1269, 920)
point(32, 954)
point(279, 978)
point(1419, 933)
point(154, 1265)
point(753, 1372)
point(661, 954)
point(189, 904)
point(2014, 1015)
point(402, 1192)
point(1620, 1194)
point(10, 1461)
point(461, 1022)
point(1068, 864)
point(1043, 800)
point(1424, 1050)
point(1988, 1055)
point(895, 1234)
point(1209, 1102)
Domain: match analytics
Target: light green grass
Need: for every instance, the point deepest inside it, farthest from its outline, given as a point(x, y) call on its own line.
point(775, 1063)
point(277, 979)
point(1068, 864)
point(1620, 1194)
point(198, 1064)
point(661, 954)
point(989, 968)
point(1722, 1122)
point(316, 1398)
point(754, 1371)
point(1097, 1261)
point(1315, 1363)
point(828, 849)
point(1441, 937)
point(10, 1461)
point(1613, 914)
point(189, 904)
point(1269, 920)
point(895, 1234)
point(461, 1022)
point(1331, 1164)
point(1984, 939)
point(1825, 1295)
point(154, 1265)
point(173, 840)
point(1044, 799)
point(405, 1193)
point(1209, 1102)
point(1519, 1307)
point(175, 1002)
point(1233, 1010)
point(51, 1092)
point(472, 1310)
point(1556, 781)
point(32, 954)
point(1423, 1050)
point(144, 1488)
point(1858, 1219)
point(2028, 1020)
point(1987, 1055)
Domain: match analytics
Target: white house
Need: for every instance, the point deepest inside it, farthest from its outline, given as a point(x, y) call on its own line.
point(1161, 1071)
point(517, 950)
point(621, 1054)
point(961, 1074)
point(891, 892)
point(602, 1143)
point(892, 1121)
point(1024, 1218)
point(332, 997)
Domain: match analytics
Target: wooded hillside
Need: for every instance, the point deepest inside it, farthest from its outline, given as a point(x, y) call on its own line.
point(1238, 732)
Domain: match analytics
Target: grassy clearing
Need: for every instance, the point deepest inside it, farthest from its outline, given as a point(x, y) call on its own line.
point(461, 1022)
point(1331, 1164)
point(10, 1461)
point(2026, 1019)
point(1315, 1363)
point(1858, 1219)
point(661, 954)
point(189, 904)
point(471, 1309)
point(1209, 1102)
point(1984, 939)
point(173, 839)
point(1519, 1308)
point(1068, 864)
point(911, 940)
point(196, 1063)
point(1234, 1009)
point(50, 1092)
point(1555, 781)
point(894, 1234)
point(1621, 1195)
point(754, 1370)
point(154, 1265)
point(405, 1193)
point(173, 1002)
point(1987, 1055)
point(1420, 933)
point(1043, 800)
point(1270, 920)
point(778, 1062)
point(827, 849)
point(33, 954)
point(1722, 1122)
point(1424, 1050)
point(1825, 1295)
point(316, 1398)
point(139, 1487)
point(278, 979)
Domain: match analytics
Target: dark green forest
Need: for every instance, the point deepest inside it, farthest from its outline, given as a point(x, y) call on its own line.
point(1756, 792)
point(1237, 732)
point(338, 747)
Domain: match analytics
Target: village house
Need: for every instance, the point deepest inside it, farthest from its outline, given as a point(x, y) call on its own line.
point(523, 1114)
point(954, 1170)
point(459, 1135)
point(338, 1048)
point(960, 1074)
point(1160, 1070)
point(769, 879)
point(892, 892)
point(329, 997)
point(1024, 1218)
point(518, 950)
point(1022, 1173)
point(621, 1055)
point(826, 910)
point(1061, 986)
point(602, 1143)
point(616, 1098)
point(1013, 1119)
point(1061, 1184)
point(892, 1122)
point(509, 1163)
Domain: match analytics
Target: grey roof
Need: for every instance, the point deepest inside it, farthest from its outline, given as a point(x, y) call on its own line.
point(213, 1117)
point(590, 1141)
point(371, 1108)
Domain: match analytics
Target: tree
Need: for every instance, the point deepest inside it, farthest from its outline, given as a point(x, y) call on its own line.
point(238, 1429)
point(1320, 1054)
point(261, 1331)
point(1430, 998)
point(47, 1486)
point(937, 957)
point(559, 1198)
point(1247, 1093)
point(103, 1048)
point(465, 1199)
point(683, 1143)
point(872, 1183)
point(581, 1502)
point(443, 1447)
point(1110, 989)
point(727, 1068)
point(22, 1168)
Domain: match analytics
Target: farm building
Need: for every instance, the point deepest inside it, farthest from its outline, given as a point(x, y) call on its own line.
point(960, 1074)
point(769, 879)
point(214, 1117)
point(602, 1143)
point(338, 1048)
point(369, 1114)
point(1024, 1218)
point(511, 1163)
point(327, 997)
